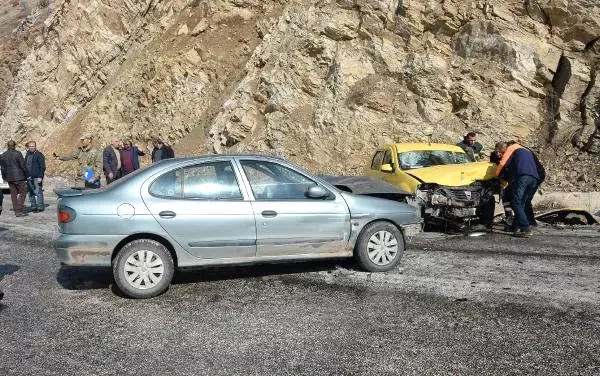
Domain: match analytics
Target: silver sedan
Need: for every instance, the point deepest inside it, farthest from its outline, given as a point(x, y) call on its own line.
point(216, 210)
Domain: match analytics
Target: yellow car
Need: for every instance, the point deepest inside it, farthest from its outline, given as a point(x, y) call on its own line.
point(448, 186)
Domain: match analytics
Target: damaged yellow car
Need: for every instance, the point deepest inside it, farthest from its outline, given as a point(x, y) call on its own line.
point(451, 189)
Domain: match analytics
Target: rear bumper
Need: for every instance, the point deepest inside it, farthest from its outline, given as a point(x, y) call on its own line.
point(86, 250)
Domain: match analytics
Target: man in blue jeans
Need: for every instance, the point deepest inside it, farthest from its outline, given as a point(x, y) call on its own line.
point(524, 172)
point(36, 165)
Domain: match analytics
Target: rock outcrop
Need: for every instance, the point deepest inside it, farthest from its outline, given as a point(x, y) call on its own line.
point(319, 82)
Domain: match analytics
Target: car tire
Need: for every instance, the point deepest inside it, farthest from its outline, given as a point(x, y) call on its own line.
point(143, 269)
point(379, 247)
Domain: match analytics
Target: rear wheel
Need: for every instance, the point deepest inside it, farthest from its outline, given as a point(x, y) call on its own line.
point(143, 268)
point(380, 247)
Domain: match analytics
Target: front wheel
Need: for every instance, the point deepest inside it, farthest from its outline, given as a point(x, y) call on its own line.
point(143, 268)
point(380, 247)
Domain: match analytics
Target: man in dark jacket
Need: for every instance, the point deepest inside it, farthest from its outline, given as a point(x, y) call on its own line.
point(130, 160)
point(524, 173)
point(112, 160)
point(36, 166)
point(470, 145)
point(15, 173)
point(161, 151)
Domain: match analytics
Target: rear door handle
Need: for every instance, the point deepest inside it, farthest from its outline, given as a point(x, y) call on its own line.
point(269, 213)
point(167, 214)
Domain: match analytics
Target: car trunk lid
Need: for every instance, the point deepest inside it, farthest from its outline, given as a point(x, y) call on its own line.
point(69, 192)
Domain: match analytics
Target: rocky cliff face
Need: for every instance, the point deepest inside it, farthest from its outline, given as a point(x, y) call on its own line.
point(321, 82)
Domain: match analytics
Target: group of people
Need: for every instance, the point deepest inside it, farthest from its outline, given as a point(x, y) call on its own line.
point(116, 160)
point(521, 174)
point(25, 175)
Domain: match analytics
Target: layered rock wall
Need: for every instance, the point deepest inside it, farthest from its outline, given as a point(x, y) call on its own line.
point(321, 82)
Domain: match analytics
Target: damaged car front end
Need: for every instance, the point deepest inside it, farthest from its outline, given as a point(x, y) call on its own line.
point(454, 207)
point(451, 189)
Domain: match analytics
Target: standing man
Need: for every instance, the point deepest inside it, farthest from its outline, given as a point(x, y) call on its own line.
point(161, 151)
point(87, 158)
point(470, 145)
point(524, 173)
point(112, 160)
point(36, 166)
point(505, 189)
point(15, 173)
point(130, 160)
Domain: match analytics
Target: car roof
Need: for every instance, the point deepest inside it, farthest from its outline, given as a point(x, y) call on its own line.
point(221, 156)
point(427, 146)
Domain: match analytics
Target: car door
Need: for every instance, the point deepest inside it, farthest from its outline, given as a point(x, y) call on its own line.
point(287, 221)
point(204, 209)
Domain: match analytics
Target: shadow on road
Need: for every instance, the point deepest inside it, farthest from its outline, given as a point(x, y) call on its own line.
point(222, 273)
point(8, 269)
point(81, 278)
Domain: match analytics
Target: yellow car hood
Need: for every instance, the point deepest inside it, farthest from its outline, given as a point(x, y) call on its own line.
point(455, 175)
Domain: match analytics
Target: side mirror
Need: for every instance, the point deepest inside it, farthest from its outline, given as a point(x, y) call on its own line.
point(387, 168)
point(317, 192)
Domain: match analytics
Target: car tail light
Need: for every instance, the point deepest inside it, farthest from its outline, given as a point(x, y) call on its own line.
point(63, 216)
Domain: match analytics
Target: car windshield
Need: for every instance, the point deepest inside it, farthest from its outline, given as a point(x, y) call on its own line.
point(426, 158)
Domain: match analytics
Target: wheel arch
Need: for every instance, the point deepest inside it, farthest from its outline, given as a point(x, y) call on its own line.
point(385, 220)
point(149, 236)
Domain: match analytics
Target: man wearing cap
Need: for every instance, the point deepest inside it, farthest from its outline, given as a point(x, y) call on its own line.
point(87, 158)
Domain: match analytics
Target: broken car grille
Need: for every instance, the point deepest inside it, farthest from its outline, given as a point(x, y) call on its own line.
point(462, 194)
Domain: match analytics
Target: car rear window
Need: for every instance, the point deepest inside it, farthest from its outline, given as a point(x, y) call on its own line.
point(426, 158)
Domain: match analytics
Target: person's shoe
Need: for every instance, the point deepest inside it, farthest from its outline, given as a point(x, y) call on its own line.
point(21, 215)
point(522, 234)
point(509, 228)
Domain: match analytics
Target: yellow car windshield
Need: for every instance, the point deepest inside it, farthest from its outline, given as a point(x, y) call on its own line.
point(427, 158)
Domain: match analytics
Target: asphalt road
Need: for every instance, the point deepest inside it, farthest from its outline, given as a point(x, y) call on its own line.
point(492, 305)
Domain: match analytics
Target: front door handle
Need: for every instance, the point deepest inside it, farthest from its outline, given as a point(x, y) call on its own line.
point(167, 214)
point(269, 213)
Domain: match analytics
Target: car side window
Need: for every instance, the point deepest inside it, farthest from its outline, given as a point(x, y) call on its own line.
point(211, 181)
point(168, 185)
point(271, 181)
point(387, 158)
point(376, 162)
point(208, 181)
